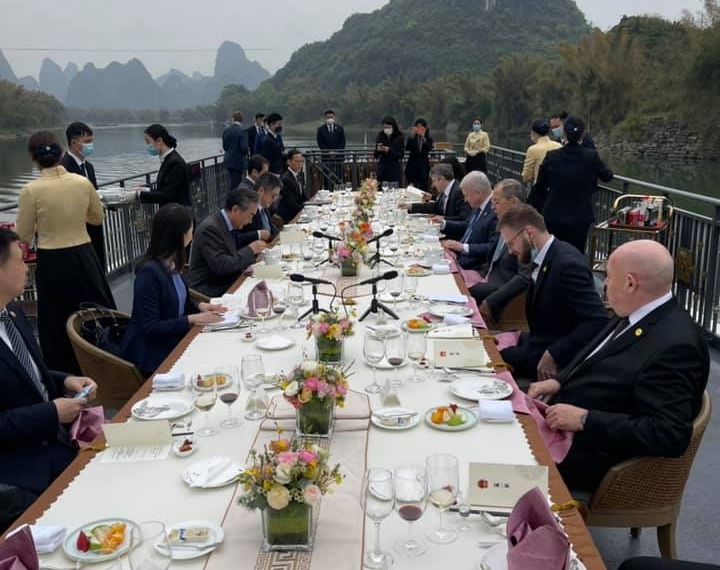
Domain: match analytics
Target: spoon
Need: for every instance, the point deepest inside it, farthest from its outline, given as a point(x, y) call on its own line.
point(493, 520)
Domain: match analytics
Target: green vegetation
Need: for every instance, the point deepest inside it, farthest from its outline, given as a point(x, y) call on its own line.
point(22, 110)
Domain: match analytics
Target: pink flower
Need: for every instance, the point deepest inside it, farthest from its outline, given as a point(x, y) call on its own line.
point(288, 457)
point(322, 388)
point(341, 390)
point(306, 456)
point(323, 327)
point(311, 494)
point(311, 384)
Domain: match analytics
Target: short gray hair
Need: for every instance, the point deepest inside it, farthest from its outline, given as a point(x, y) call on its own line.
point(241, 197)
point(511, 188)
point(476, 181)
point(443, 171)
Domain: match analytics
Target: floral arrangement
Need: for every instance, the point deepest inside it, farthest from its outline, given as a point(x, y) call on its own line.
point(315, 381)
point(353, 236)
point(329, 326)
point(287, 472)
point(365, 199)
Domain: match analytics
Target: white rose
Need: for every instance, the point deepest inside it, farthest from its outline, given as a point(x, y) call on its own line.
point(292, 389)
point(311, 494)
point(278, 497)
point(309, 365)
point(283, 473)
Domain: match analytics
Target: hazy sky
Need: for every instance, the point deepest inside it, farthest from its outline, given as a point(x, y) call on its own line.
point(185, 35)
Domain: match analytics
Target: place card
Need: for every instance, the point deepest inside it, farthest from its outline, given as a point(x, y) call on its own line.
point(459, 352)
point(137, 441)
point(264, 271)
point(502, 484)
point(292, 237)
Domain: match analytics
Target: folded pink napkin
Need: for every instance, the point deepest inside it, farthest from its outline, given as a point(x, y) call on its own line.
point(256, 298)
point(476, 318)
point(506, 339)
point(450, 256)
point(87, 426)
point(535, 539)
point(17, 552)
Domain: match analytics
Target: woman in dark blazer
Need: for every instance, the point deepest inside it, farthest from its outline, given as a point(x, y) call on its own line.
point(419, 146)
point(389, 152)
point(162, 309)
point(173, 180)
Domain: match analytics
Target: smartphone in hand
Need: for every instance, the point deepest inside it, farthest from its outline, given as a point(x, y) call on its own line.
point(84, 392)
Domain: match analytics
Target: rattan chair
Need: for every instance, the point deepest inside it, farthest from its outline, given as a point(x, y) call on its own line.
point(197, 296)
point(117, 379)
point(647, 491)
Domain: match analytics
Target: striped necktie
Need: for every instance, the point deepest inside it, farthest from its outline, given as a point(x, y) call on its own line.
point(470, 226)
point(22, 353)
point(497, 254)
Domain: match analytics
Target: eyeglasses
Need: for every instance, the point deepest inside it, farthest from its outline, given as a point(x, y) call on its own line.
point(512, 239)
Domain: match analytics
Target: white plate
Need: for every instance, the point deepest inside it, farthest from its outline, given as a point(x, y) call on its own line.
point(244, 315)
point(384, 364)
point(229, 470)
point(176, 409)
point(225, 381)
point(477, 388)
point(441, 310)
point(418, 271)
point(217, 535)
point(470, 420)
point(428, 328)
point(274, 342)
point(412, 422)
point(88, 557)
point(495, 557)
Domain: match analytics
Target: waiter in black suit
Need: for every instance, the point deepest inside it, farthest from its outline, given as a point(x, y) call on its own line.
point(449, 203)
point(235, 146)
point(293, 194)
point(563, 309)
point(253, 131)
point(81, 141)
point(636, 388)
point(330, 139)
point(34, 443)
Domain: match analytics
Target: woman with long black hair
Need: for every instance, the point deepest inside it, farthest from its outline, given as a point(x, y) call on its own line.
point(389, 152)
point(173, 179)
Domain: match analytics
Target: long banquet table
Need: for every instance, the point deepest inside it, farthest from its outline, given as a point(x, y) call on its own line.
point(90, 490)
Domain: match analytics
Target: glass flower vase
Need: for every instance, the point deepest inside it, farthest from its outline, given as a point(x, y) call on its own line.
point(329, 350)
point(290, 528)
point(315, 418)
point(349, 267)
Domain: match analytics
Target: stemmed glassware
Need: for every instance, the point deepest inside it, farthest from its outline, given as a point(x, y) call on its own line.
point(373, 350)
point(279, 306)
point(442, 480)
point(318, 247)
point(261, 303)
point(230, 395)
point(395, 288)
point(204, 398)
point(410, 484)
point(416, 347)
point(377, 499)
point(395, 352)
point(252, 371)
point(307, 253)
point(411, 283)
point(149, 547)
point(464, 511)
point(296, 297)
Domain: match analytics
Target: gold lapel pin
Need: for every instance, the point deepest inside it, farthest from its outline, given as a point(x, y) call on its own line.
point(638, 331)
point(544, 268)
point(12, 314)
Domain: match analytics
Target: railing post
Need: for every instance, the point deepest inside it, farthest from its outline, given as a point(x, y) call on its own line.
point(711, 291)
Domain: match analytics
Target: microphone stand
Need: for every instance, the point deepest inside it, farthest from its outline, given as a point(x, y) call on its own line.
point(375, 305)
point(329, 257)
point(315, 308)
point(375, 259)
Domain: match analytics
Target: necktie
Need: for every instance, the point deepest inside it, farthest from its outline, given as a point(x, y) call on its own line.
point(621, 325)
point(264, 220)
point(497, 254)
point(470, 227)
point(22, 353)
point(83, 169)
point(442, 200)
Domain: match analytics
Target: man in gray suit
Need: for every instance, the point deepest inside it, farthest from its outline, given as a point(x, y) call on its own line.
point(505, 277)
point(215, 262)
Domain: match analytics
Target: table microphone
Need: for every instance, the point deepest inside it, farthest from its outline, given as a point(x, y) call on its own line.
point(385, 276)
point(386, 233)
point(319, 234)
point(298, 278)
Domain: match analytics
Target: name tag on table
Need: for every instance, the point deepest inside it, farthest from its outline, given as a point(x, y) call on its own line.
point(264, 271)
point(459, 352)
point(292, 237)
point(502, 484)
point(137, 441)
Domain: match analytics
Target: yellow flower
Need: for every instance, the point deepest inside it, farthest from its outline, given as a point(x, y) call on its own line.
point(267, 485)
point(310, 470)
point(305, 396)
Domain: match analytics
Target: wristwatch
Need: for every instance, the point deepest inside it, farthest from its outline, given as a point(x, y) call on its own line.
point(583, 419)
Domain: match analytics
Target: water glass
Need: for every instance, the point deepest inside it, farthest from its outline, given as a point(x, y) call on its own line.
point(411, 283)
point(296, 297)
point(142, 553)
point(377, 499)
point(204, 390)
point(252, 371)
point(416, 347)
point(442, 482)
point(230, 394)
point(373, 351)
point(410, 484)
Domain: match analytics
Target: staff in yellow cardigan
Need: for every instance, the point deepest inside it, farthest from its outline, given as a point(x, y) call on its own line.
point(536, 152)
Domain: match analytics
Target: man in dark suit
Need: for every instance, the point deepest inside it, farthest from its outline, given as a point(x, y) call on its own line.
point(449, 203)
point(272, 147)
point(81, 141)
point(293, 194)
point(215, 260)
point(472, 240)
point(557, 124)
point(235, 145)
point(505, 277)
point(636, 388)
point(257, 165)
point(253, 131)
point(564, 311)
point(331, 138)
point(34, 443)
point(268, 187)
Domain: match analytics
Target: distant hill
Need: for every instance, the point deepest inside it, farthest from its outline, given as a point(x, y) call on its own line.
point(29, 83)
point(52, 79)
point(6, 71)
point(422, 39)
point(233, 67)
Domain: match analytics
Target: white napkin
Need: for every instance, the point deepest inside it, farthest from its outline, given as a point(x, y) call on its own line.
point(229, 319)
point(447, 298)
point(216, 470)
point(441, 268)
point(169, 380)
point(455, 320)
point(496, 411)
point(46, 537)
point(429, 238)
point(413, 192)
point(274, 342)
point(453, 331)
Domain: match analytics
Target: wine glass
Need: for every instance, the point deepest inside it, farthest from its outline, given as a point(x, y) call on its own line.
point(411, 283)
point(395, 288)
point(464, 511)
point(395, 352)
point(410, 484)
point(296, 297)
point(279, 306)
point(416, 347)
point(307, 253)
point(442, 480)
point(261, 302)
point(318, 247)
point(373, 350)
point(142, 553)
point(252, 372)
point(377, 499)
point(204, 398)
point(230, 395)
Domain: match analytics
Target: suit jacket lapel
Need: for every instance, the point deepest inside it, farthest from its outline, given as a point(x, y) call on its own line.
point(542, 270)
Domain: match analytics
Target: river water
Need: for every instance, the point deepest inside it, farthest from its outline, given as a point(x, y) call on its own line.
point(120, 152)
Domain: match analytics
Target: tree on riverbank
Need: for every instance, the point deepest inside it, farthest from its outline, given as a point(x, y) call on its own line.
point(22, 110)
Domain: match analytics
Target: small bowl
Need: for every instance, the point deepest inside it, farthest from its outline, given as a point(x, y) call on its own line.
point(248, 336)
point(178, 444)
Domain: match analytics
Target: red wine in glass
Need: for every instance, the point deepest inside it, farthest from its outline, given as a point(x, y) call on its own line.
point(228, 398)
point(410, 513)
point(395, 361)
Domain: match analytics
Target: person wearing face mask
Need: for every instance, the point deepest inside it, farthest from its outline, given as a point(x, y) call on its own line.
point(477, 144)
point(272, 147)
point(536, 152)
point(557, 132)
point(563, 309)
point(172, 184)
point(331, 139)
point(80, 142)
point(389, 152)
point(419, 144)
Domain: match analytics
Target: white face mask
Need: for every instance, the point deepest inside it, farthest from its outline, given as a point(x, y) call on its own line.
point(388, 132)
point(330, 121)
